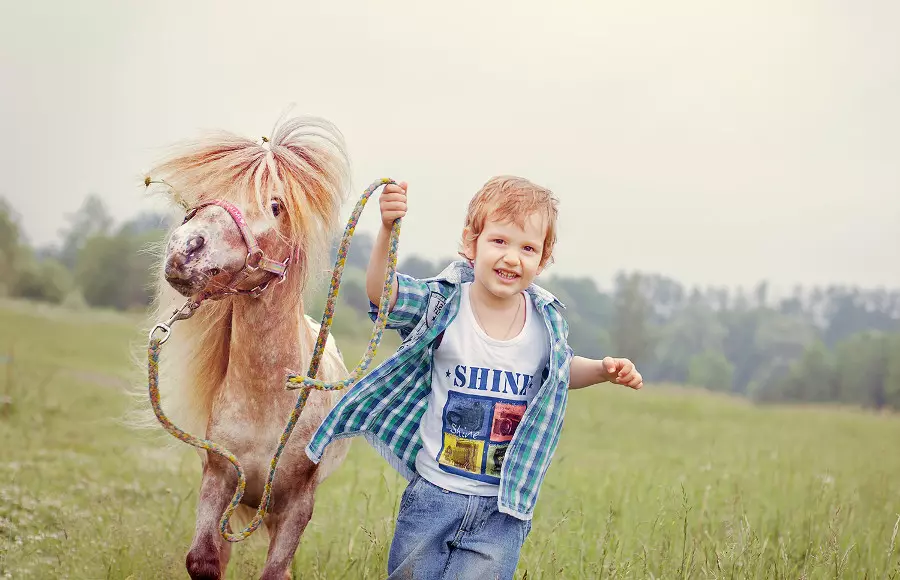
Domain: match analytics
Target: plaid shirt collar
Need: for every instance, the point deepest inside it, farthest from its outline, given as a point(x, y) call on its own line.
point(460, 272)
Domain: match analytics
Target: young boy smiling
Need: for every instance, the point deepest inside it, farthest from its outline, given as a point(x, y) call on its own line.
point(471, 406)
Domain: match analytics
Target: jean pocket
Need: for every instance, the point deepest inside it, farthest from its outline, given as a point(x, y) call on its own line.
point(408, 494)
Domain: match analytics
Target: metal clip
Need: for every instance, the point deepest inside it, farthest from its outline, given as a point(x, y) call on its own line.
point(183, 312)
point(163, 327)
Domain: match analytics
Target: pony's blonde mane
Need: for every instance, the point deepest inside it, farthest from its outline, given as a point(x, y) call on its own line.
point(305, 165)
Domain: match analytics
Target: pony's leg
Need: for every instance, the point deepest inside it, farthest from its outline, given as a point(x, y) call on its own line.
point(285, 528)
point(209, 551)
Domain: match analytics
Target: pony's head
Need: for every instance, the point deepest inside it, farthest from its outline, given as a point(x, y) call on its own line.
point(253, 207)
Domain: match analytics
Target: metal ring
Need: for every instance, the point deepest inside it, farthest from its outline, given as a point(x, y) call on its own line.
point(163, 327)
point(253, 267)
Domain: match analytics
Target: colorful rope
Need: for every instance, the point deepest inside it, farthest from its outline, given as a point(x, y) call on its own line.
point(305, 384)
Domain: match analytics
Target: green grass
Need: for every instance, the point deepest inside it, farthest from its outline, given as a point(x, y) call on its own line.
point(663, 483)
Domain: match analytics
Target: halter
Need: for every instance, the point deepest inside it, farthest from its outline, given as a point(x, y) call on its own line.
point(256, 259)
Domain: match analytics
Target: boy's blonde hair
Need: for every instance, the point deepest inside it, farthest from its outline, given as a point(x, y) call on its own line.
point(508, 198)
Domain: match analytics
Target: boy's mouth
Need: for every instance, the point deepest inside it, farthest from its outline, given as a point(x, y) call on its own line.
point(506, 275)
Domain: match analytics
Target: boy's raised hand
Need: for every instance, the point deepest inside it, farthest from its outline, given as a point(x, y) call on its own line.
point(393, 203)
point(622, 371)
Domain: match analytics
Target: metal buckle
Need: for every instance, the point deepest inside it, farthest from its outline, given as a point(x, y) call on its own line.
point(191, 213)
point(257, 292)
point(281, 277)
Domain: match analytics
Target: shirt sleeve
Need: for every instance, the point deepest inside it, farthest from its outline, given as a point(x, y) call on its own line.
point(412, 302)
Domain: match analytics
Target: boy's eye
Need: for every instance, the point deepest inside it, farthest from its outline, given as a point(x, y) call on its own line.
point(529, 249)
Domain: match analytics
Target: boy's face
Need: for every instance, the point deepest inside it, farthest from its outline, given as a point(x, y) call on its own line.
point(507, 257)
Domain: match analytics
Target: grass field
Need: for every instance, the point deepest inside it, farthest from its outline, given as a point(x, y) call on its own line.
point(663, 483)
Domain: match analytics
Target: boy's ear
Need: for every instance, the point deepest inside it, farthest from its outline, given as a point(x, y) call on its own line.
point(468, 245)
point(542, 266)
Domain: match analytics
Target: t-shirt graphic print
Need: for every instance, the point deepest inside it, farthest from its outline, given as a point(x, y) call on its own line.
point(480, 390)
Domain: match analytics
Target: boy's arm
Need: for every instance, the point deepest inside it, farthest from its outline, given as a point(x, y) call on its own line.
point(377, 268)
point(585, 372)
point(392, 203)
point(409, 296)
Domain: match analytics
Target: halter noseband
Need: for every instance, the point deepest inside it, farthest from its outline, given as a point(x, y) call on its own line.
point(256, 258)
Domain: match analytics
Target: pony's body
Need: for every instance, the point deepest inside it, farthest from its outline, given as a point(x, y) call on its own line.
point(222, 372)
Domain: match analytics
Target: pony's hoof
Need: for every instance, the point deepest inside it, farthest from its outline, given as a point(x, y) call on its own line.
point(203, 566)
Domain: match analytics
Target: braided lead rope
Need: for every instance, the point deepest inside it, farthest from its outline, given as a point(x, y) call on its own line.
point(305, 384)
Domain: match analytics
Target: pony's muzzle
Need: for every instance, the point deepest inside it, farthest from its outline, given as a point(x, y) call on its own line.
point(180, 268)
point(179, 260)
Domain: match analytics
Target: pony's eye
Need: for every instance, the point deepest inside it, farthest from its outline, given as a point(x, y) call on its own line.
point(276, 207)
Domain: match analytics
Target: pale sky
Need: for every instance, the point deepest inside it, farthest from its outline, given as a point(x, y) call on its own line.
point(717, 142)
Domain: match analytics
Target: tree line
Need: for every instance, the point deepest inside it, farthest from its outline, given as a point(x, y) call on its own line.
point(95, 263)
point(835, 344)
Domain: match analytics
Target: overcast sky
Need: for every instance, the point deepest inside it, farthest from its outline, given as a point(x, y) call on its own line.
point(714, 141)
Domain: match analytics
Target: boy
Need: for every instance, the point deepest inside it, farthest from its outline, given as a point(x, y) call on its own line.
point(470, 407)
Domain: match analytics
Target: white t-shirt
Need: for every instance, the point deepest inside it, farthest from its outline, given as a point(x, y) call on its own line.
point(480, 388)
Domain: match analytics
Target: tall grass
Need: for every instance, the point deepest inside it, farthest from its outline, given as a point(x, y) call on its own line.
point(663, 483)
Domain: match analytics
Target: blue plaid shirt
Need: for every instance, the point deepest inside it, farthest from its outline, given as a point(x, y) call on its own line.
point(386, 405)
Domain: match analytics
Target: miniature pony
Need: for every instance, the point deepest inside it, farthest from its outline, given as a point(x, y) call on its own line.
point(222, 374)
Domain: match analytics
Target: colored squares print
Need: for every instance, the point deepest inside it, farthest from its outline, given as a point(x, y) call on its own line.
point(467, 417)
point(505, 420)
point(495, 456)
point(464, 454)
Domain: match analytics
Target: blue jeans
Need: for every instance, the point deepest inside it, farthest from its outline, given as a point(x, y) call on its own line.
point(441, 535)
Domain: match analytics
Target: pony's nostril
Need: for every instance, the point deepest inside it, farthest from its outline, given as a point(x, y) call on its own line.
point(174, 269)
point(195, 243)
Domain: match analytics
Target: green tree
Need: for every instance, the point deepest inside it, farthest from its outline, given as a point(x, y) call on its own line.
point(892, 375)
point(418, 267)
point(117, 271)
point(360, 249)
point(863, 369)
point(693, 330)
point(9, 247)
point(45, 280)
point(632, 333)
point(811, 378)
point(588, 313)
point(711, 370)
point(91, 220)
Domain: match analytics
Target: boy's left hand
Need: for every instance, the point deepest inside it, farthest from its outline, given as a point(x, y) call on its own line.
point(621, 371)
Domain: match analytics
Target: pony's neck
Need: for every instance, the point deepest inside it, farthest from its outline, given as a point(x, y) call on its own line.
point(267, 339)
